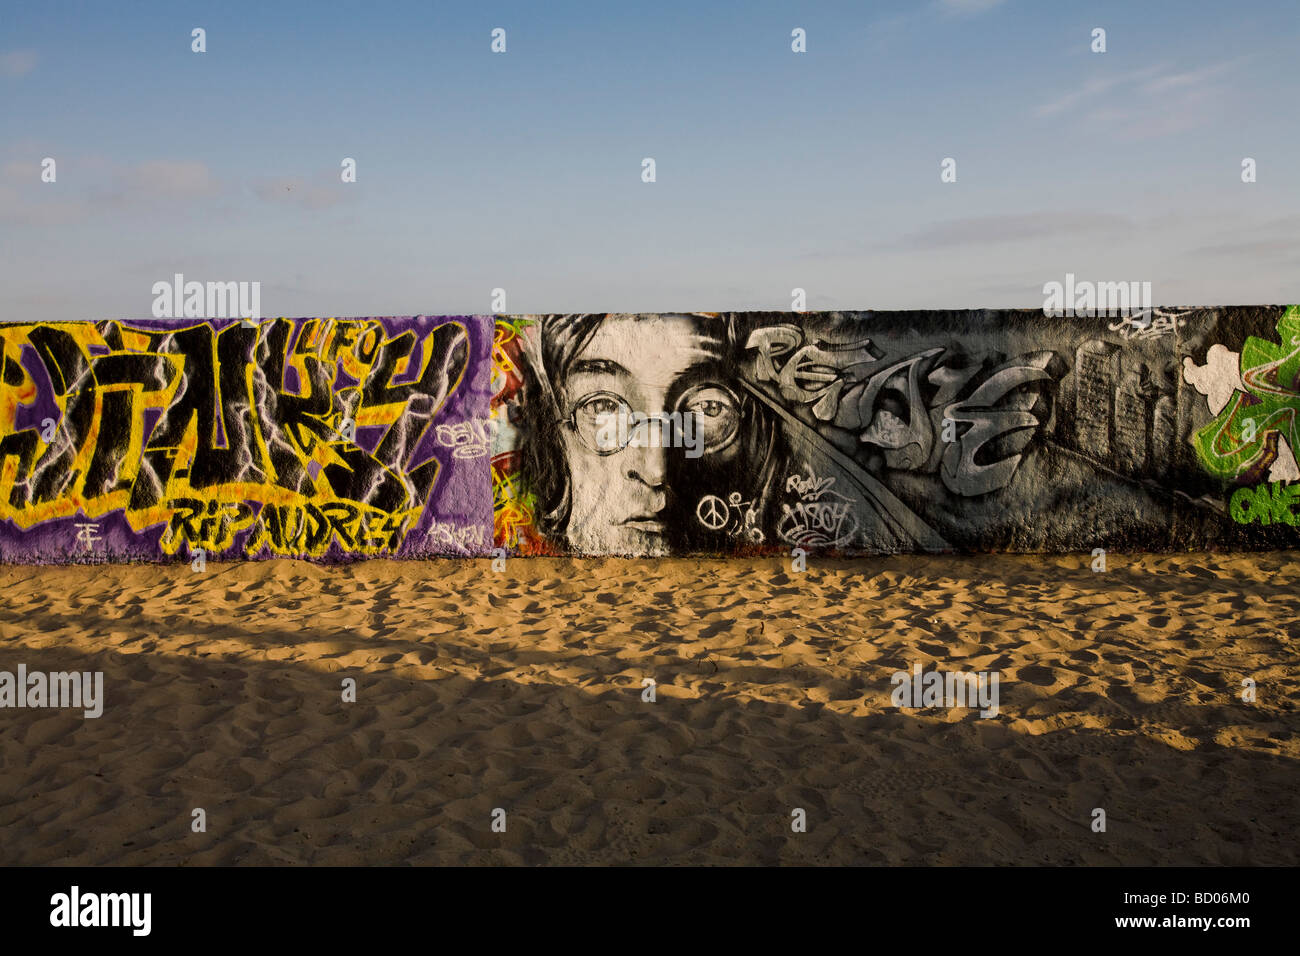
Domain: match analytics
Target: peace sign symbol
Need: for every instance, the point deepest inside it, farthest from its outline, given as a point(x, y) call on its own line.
point(712, 512)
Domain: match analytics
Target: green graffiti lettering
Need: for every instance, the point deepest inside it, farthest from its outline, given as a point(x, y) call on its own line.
point(1273, 503)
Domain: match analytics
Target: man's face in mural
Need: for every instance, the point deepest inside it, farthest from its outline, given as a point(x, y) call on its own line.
point(667, 373)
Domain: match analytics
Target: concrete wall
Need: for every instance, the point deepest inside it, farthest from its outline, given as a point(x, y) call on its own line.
point(650, 434)
point(905, 431)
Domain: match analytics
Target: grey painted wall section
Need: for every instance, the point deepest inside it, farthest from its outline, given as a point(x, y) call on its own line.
point(872, 432)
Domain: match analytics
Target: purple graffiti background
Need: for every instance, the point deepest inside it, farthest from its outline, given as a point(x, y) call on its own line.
point(457, 515)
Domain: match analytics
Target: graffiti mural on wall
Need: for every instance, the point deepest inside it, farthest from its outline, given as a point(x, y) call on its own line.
point(512, 506)
point(1256, 433)
point(871, 432)
point(742, 433)
point(311, 438)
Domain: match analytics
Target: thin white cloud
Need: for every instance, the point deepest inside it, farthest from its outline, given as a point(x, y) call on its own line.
point(18, 62)
point(1141, 104)
point(171, 178)
point(24, 207)
point(90, 185)
point(320, 192)
point(20, 171)
point(1093, 87)
point(1012, 228)
point(1254, 249)
point(969, 7)
point(881, 32)
point(1188, 78)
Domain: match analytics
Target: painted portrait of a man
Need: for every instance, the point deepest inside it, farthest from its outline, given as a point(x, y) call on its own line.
point(631, 421)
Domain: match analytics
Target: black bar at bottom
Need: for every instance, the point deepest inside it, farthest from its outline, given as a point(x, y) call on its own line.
point(645, 906)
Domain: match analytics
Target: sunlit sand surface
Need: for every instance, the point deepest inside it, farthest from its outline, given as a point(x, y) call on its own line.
point(522, 690)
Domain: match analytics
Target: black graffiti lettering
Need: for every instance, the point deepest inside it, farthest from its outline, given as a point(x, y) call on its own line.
point(268, 531)
point(345, 519)
point(54, 476)
point(368, 347)
point(380, 479)
point(62, 357)
point(291, 424)
point(387, 531)
point(183, 526)
point(121, 380)
point(210, 524)
point(21, 446)
point(305, 529)
point(11, 373)
point(318, 529)
point(353, 337)
point(213, 400)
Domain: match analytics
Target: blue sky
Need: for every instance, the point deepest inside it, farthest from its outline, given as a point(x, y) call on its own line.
point(522, 170)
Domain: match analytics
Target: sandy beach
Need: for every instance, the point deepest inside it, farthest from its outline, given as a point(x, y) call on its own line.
point(523, 690)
